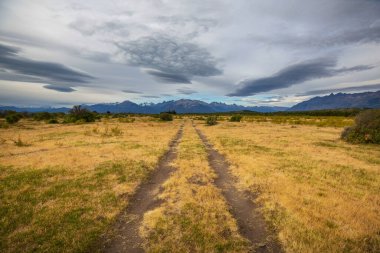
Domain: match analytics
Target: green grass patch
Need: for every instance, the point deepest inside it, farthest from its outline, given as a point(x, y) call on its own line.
point(320, 121)
point(58, 210)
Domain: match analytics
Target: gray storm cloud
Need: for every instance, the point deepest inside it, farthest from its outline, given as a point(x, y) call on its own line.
point(132, 91)
point(186, 91)
point(292, 75)
point(28, 70)
point(150, 96)
point(172, 60)
point(90, 27)
point(197, 48)
point(168, 77)
point(369, 34)
point(344, 89)
point(59, 88)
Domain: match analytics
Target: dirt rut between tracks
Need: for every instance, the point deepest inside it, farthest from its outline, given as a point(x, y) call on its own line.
point(250, 220)
point(123, 236)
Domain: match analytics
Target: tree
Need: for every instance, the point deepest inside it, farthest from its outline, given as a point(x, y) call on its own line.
point(211, 120)
point(78, 113)
point(166, 116)
point(366, 128)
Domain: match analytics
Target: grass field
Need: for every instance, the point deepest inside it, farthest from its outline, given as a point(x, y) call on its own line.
point(62, 185)
point(321, 194)
point(320, 121)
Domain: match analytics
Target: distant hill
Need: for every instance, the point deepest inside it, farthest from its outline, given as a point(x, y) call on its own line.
point(180, 106)
point(33, 109)
point(340, 100)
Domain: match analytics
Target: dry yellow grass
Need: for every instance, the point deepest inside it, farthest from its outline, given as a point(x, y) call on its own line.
point(61, 185)
point(321, 194)
point(194, 216)
point(65, 183)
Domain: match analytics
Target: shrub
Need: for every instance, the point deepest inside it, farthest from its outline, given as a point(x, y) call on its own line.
point(211, 120)
point(127, 120)
point(171, 112)
point(20, 143)
point(235, 118)
point(116, 131)
point(13, 118)
point(366, 128)
point(79, 115)
point(53, 121)
point(42, 116)
point(166, 116)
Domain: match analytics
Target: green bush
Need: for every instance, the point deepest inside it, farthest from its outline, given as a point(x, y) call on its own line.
point(13, 118)
point(166, 116)
point(235, 118)
point(42, 116)
point(79, 114)
point(53, 121)
point(211, 120)
point(366, 128)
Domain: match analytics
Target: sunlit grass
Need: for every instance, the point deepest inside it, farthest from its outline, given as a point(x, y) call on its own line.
point(64, 184)
point(320, 193)
point(320, 121)
point(61, 191)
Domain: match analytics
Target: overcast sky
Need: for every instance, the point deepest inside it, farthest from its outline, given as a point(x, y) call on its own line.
point(249, 52)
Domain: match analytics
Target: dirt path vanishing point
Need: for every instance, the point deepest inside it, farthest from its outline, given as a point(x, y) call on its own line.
point(124, 234)
point(250, 220)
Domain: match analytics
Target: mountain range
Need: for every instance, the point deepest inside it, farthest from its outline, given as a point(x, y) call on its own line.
point(340, 100)
point(180, 106)
point(332, 101)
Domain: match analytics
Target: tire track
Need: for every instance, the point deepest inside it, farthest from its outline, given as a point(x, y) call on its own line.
point(250, 220)
point(124, 234)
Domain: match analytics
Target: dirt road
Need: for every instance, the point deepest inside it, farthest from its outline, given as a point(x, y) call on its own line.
point(124, 234)
point(247, 214)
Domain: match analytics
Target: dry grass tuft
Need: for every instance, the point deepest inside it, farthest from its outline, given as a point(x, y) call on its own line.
point(20, 143)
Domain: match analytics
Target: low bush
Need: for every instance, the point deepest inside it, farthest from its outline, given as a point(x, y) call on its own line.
point(13, 118)
point(235, 118)
point(42, 116)
point(126, 120)
point(166, 116)
point(366, 128)
point(107, 132)
point(116, 131)
point(211, 120)
point(79, 114)
point(53, 121)
point(20, 143)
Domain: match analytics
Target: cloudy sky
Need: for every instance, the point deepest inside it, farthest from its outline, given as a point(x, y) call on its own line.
point(249, 52)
